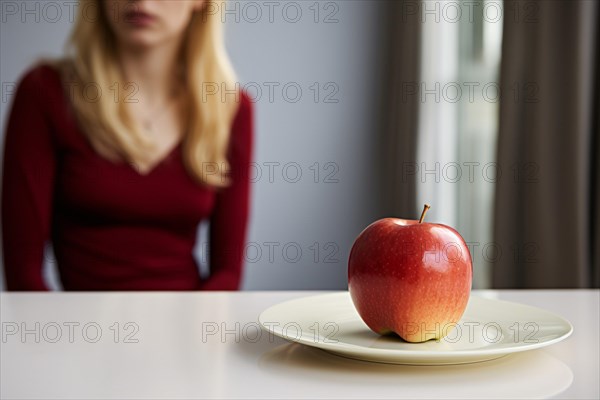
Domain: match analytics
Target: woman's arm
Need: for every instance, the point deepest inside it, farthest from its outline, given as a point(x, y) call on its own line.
point(27, 184)
point(230, 215)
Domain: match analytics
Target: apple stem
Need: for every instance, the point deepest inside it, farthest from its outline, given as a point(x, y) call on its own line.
point(425, 208)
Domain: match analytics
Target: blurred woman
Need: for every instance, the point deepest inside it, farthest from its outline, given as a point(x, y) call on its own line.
point(117, 152)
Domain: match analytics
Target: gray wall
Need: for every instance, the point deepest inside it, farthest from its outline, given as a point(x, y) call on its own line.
point(344, 53)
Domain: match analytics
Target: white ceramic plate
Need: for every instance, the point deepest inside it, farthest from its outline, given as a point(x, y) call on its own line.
point(489, 329)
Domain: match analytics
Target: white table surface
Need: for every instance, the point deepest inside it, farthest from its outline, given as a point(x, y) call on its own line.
point(171, 359)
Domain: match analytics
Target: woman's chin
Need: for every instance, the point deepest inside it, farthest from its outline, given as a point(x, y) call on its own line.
point(140, 41)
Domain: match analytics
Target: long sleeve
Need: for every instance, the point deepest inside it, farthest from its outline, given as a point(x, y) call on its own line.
point(229, 219)
point(27, 184)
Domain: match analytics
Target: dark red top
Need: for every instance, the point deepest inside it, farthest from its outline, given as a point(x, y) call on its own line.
point(111, 227)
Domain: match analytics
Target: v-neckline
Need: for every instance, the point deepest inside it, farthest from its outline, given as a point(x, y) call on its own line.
point(131, 166)
point(158, 164)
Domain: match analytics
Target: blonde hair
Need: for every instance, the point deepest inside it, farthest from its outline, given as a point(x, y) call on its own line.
point(105, 121)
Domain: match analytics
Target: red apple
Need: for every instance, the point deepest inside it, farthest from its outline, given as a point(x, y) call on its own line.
point(410, 277)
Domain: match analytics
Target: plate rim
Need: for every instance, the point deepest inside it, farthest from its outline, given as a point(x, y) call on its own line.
point(336, 347)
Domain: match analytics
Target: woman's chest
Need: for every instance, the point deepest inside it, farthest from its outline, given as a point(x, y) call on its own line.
point(91, 186)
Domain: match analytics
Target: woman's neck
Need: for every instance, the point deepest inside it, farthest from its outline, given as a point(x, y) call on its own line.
point(153, 71)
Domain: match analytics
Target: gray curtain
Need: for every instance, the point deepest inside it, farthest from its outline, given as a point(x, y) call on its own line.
point(547, 221)
point(399, 144)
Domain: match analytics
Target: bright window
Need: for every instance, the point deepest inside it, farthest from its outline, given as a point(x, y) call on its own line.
point(458, 120)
